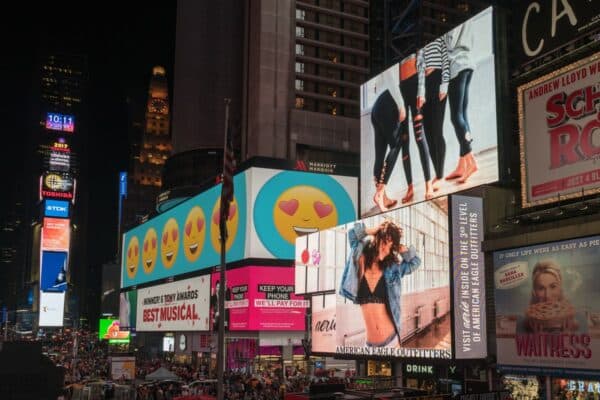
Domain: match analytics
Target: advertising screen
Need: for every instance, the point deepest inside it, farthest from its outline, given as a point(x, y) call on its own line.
point(60, 122)
point(52, 309)
point(468, 267)
point(259, 298)
point(56, 234)
point(177, 306)
point(445, 97)
point(56, 208)
point(168, 343)
point(391, 276)
point(547, 313)
point(122, 367)
point(53, 273)
point(128, 309)
point(559, 134)
point(58, 185)
point(270, 209)
point(110, 329)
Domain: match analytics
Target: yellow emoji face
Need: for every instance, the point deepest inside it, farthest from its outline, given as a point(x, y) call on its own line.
point(132, 257)
point(194, 233)
point(231, 224)
point(169, 243)
point(301, 210)
point(149, 251)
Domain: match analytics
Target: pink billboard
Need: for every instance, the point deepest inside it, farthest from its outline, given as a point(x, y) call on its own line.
point(259, 298)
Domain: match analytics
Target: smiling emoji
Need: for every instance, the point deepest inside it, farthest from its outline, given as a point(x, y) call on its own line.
point(132, 257)
point(169, 243)
point(231, 224)
point(194, 234)
point(149, 250)
point(301, 210)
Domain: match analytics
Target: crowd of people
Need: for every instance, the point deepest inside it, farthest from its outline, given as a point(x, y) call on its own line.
point(85, 359)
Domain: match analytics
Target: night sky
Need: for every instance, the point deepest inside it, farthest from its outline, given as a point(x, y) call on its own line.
point(122, 43)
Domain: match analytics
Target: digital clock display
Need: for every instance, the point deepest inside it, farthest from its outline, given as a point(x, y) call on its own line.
point(60, 122)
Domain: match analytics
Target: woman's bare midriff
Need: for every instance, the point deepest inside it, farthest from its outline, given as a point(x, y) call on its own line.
point(429, 70)
point(378, 323)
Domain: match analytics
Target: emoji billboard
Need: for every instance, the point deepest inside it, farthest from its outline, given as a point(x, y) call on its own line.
point(271, 208)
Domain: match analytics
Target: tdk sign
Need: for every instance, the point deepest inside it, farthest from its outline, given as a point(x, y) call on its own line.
point(56, 208)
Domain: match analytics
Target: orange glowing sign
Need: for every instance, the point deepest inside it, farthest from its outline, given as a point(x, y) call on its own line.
point(56, 234)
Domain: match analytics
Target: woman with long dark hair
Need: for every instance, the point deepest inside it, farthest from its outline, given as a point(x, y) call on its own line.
point(372, 278)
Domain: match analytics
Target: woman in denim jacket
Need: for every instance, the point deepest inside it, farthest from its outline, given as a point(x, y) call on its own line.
point(372, 279)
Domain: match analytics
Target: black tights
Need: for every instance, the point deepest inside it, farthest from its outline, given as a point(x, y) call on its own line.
point(408, 88)
point(458, 94)
point(433, 118)
point(384, 117)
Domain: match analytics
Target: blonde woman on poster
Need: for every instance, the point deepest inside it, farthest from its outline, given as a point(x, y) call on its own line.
point(372, 278)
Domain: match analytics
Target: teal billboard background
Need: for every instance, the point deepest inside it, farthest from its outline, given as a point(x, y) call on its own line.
point(135, 268)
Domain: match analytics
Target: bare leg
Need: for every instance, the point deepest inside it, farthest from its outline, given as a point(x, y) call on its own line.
point(428, 190)
point(379, 198)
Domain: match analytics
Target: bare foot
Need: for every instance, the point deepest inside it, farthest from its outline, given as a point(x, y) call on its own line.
point(435, 184)
point(428, 190)
point(459, 171)
point(389, 203)
point(378, 200)
point(409, 195)
point(471, 168)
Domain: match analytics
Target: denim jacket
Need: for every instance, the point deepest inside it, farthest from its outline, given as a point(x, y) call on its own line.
point(393, 274)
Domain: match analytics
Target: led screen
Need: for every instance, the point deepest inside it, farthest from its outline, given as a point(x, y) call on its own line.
point(56, 234)
point(110, 329)
point(560, 139)
point(53, 274)
point(385, 304)
point(445, 97)
point(60, 122)
point(58, 185)
point(56, 208)
point(271, 209)
point(168, 343)
point(547, 312)
point(128, 309)
point(259, 298)
point(52, 308)
point(178, 306)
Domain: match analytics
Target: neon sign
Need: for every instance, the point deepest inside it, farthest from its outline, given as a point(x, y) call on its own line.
point(60, 122)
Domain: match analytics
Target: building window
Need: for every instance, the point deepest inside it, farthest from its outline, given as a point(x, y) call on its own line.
point(300, 67)
point(299, 84)
point(300, 31)
point(300, 14)
point(300, 102)
point(332, 109)
point(299, 49)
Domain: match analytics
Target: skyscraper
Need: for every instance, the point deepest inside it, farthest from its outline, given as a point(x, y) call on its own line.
point(149, 153)
point(59, 176)
point(291, 69)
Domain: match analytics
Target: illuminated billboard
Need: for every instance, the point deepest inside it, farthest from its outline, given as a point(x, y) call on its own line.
point(176, 306)
point(391, 278)
point(60, 122)
point(444, 96)
point(57, 185)
point(52, 309)
point(259, 298)
point(53, 271)
point(547, 309)
point(56, 208)
point(128, 309)
point(559, 137)
point(544, 27)
point(110, 329)
point(271, 208)
point(56, 234)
